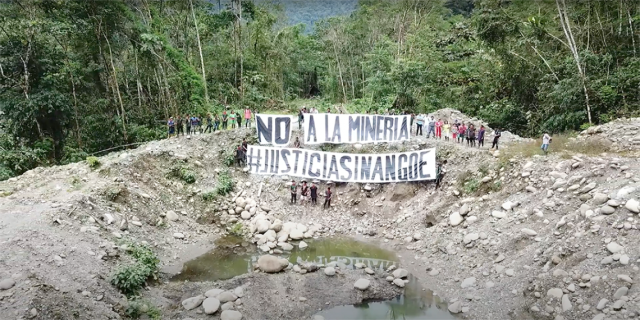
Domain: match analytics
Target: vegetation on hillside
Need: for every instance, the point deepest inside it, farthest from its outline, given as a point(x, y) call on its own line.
point(78, 77)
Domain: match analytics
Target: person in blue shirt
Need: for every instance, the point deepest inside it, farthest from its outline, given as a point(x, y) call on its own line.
point(172, 126)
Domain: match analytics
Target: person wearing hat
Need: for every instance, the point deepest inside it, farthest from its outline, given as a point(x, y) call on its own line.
point(294, 191)
point(327, 199)
point(314, 193)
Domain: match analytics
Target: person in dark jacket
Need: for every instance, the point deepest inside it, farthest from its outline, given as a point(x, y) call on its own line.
point(187, 119)
point(180, 125)
point(496, 137)
point(440, 172)
point(314, 193)
point(239, 155)
point(327, 198)
point(481, 137)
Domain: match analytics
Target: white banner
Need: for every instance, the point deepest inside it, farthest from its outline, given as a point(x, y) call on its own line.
point(274, 129)
point(343, 167)
point(355, 128)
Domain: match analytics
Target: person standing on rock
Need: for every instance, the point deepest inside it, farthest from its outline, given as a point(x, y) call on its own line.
point(440, 173)
point(314, 193)
point(245, 147)
point(300, 119)
point(546, 140)
point(194, 124)
point(239, 119)
point(446, 130)
point(294, 191)
point(454, 131)
point(439, 129)
point(239, 155)
point(172, 126)
point(209, 123)
point(327, 199)
point(481, 136)
point(432, 127)
point(472, 135)
point(419, 122)
point(225, 118)
point(187, 119)
point(180, 125)
point(462, 129)
point(232, 119)
point(304, 192)
point(247, 117)
point(496, 137)
point(216, 122)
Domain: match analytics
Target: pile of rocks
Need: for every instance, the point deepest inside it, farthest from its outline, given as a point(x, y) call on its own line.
point(216, 299)
point(623, 134)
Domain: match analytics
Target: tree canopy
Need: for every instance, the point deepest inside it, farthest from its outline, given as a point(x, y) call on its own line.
point(77, 77)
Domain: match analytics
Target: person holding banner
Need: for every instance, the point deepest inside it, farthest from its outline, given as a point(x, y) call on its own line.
point(239, 156)
point(294, 191)
point(314, 193)
point(327, 199)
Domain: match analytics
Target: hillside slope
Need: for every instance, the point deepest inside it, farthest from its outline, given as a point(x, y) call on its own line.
point(506, 237)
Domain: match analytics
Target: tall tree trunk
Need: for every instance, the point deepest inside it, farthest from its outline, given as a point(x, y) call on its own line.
point(115, 79)
point(204, 76)
point(335, 52)
point(566, 27)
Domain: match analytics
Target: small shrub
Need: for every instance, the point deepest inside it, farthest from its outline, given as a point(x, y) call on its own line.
point(112, 193)
point(183, 173)
point(137, 307)
point(93, 162)
point(225, 184)
point(237, 230)
point(129, 279)
point(585, 126)
point(209, 196)
point(229, 159)
point(471, 185)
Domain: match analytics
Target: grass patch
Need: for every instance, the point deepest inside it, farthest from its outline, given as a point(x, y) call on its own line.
point(112, 193)
point(183, 173)
point(224, 186)
point(565, 144)
point(136, 308)
point(129, 279)
point(473, 185)
point(93, 162)
point(237, 230)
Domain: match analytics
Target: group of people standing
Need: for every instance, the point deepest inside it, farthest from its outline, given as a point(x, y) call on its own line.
point(309, 194)
point(458, 131)
point(196, 125)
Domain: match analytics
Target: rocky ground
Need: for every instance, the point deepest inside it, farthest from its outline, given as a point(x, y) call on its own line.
point(507, 237)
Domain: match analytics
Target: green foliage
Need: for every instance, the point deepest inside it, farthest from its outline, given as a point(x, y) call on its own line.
point(209, 196)
point(129, 279)
point(137, 307)
point(183, 173)
point(225, 184)
point(229, 159)
point(237, 230)
point(112, 193)
point(93, 162)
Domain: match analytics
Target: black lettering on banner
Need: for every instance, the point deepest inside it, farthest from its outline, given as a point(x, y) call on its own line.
point(276, 162)
point(423, 165)
point(266, 162)
point(402, 173)
point(264, 130)
point(343, 164)
point(286, 122)
point(378, 127)
point(355, 167)
point(404, 130)
point(324, 166)
point(312, 129)
point(333, 168)
point(311, 172)
point(285, 154)
point(366, 168)
point(388, 129)
point(354, 125)
point(336, 131)
point(370, 130)
point(295, 162)
point(413, 165)
point(377, 169)
point(391, 168)
point(250, 160)
point(326, 128)
point(395, 128)
point(304, 166)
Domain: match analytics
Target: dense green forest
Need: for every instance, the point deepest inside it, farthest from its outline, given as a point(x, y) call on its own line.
point(77, 77)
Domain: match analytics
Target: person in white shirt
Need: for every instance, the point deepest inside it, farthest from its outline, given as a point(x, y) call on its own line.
point(546, 139)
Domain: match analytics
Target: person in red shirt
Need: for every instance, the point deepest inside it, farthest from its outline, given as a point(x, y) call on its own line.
point(462, 129)
point(439, 129)
point(327, 199)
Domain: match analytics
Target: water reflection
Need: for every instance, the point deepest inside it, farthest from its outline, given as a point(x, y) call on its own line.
point(229, 259)
point(414, 304)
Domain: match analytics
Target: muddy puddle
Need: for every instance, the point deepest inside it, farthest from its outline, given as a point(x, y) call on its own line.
point(233, 257)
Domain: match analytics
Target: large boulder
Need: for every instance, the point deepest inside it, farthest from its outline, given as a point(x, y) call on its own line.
point(272, 264)
point(262, 226)
point(193, 302)
point(211, 305)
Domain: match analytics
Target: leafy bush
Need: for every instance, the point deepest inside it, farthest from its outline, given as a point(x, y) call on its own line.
point(237, 230)
point(93, 162)
point(129, 279)
point(229, 159)
point(225, 184)
point(137, 307)
point(471, 185)
point(184, 173)
point(209, 196)
point(112, 193)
